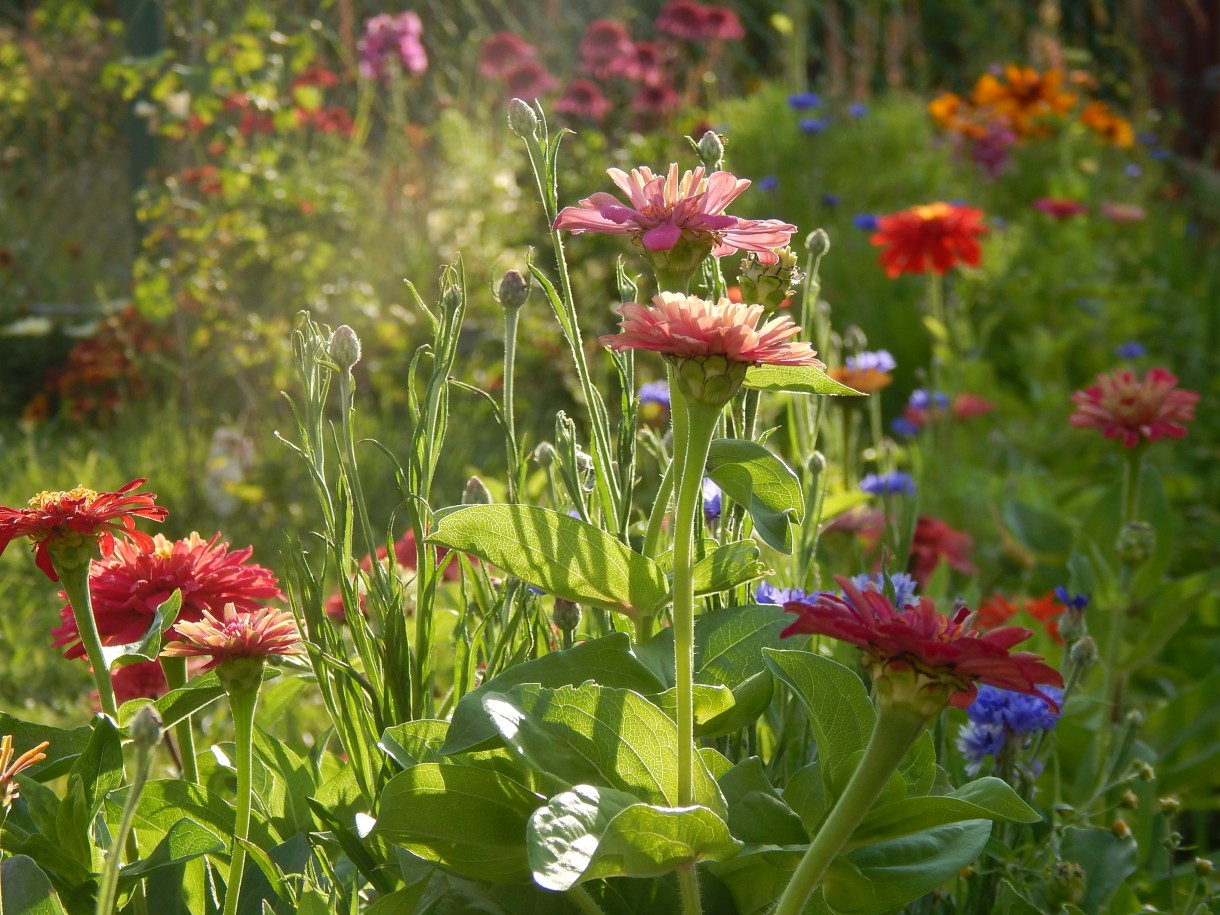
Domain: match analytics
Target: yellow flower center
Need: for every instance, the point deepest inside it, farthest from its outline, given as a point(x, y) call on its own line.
point(162, 548)
point(931, 211)
point(48, 499)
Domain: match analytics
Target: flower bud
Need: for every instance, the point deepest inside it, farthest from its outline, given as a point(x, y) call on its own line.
point(711, 380)
point(1136, 543)
point(566, 614)
point(544, 454)
point(1072, 626)
point(145, 728)
point(1130, 800)
point(513, 291)
point(1083, 653)
point(476, 493)
point(769, 285)
point(344, 347)
point(818, 243)
point(522, 119)
point(711, 150)
point(628, 291)
point(1170, 805)
point(1204, 867)
point(1120, 829)
point(1144, 771)
point(1065, 883)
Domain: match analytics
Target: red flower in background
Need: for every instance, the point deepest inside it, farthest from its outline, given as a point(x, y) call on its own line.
point(503, 52)
point(1130, 410)
point(996, 610)
point(583, 99)
point(695, 22)
point(64, 520)
point(1060, 207)
point(605, 48)
point(939, 649)
point(404, 558)
point(529, 80)
point(936, 237)
point(934, 540)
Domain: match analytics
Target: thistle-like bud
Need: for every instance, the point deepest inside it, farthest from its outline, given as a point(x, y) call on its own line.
point(818, 243)
point(1136, 543)
point(513, 291)
point(146, 727)
point(1083, 653)
point(522, 119)
point(544, 454)
point(769, 285)
point(711, 150)
point(476, 493)
point(711, 380)
point(566, 614)
point(1072, 626)
point(1065, 883)
point(344, 347)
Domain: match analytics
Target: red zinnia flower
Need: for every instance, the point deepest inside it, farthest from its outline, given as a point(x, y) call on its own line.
point(933, 541)
point(67, 520)
point(1060, 207)
point(502, 52)
point(941, 651)
point(995, 610)
point(255, 634)
point(583, 99)
point(1047, 610)
point(1129, 410)
point(404, 559)
point(663, 210)
point(127, 588)
point(935, 237)
point(683, 19)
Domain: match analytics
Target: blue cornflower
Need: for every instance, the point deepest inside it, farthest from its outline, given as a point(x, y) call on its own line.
point(711, 500)
point(874, 361)
point(768, 183)
point(1133, 171)
point(977, 741)
point(904, 585)
point(904, 428)
point(1132, 349)
point(1147, 138)
point(769, 594)
point(803, 101)
point(830, 200)
point(998, 715)
point(865, 221)
point(1074, 601)
point(1160, 153)
point(921, 399)
point(654, 392)
point(998, 222)
point(888, 484)
point(812, 125)
point(857, 110)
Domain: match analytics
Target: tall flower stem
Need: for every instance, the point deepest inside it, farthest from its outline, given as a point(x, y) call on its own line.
point(175, 678)
point(146, 730)
point(241, 679)
point(75, 581)
point(894, 731)
point(511, 316)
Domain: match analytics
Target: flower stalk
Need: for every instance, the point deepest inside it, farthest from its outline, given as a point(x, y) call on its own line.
point(241, 678)
point(175, 678)
point(75, 581)
point(146, 731)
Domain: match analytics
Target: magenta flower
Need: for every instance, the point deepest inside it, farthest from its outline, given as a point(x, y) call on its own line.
point(583, 99)
point(721, 24)
point(392, 38)
point(682, 19)
point(655, 97)
point(1060, 207)
point(687, 327)
point(665, 209)
point(1129, 410)
point(502, 52)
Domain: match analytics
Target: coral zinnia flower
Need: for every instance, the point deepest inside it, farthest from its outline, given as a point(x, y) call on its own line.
point(665, 209)
point(69, 520)
point(258, 633)
point(1129, 410)
point(127, 588)
point(1101, 119)
point(9, 768)
point(933, 541)
point(934, 237)
point(1060, 207)
point(942, 652)
point(687, 327)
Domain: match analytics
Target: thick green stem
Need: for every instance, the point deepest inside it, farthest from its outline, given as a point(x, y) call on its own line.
point(688, 884)
point(665, 492)
point(175, 678)
point(109, 884)
point(894, 731)
point(511, 314)
point(242, 703)
point(582, 900)
point(75, 581)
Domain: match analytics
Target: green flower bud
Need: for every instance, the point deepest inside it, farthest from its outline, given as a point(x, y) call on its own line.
point(711, 150)
point(1136, 543)
point(522, 119)
point(1072, 626)
point(566, 614)
point(1130, 800)
point(1065, 883)
point(769, 285)
point(544, 454)
point(145, 728)
point(1204, 867)
point(711, 380)
point(476, 493)
point(344, 347)
point(513, 291)
point(1083, 653)
point(818, 243)
point(1170, 805)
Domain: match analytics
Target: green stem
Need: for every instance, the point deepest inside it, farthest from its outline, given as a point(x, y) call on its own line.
point(894, 731)
point(175, 678)
point(511, 316)
point(109, 884)
point(583, 901)
point(242, 703)
point(76, 585)
point(688, 883)
point(665, 491)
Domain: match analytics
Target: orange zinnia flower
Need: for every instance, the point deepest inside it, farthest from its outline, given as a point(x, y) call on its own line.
point(1101, 119)
point(255, 634)
point(935, 237)
point(1024, 97)
point(61, 521)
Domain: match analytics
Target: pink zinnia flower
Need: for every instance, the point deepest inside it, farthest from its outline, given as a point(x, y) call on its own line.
point(941, 651)
point(934, 540)
point(721, 24)
point(392, 38)
point(605, 46)
point(665, 209)
point(502, 52)
point(1123, 212)
point(66, 520)
point(687, 327)
point(1060, 207)
point(255, 634)
point(529, 80)
point(583, 99)
point(647, 63)
point(128, 587)
point(683, 19)
point(655, 98)
point(1130, 410)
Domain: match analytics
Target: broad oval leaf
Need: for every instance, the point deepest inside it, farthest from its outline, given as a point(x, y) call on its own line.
point(757, 813)
point(470, 819)
point(984, 799)
point(796, 379)
point(592, 832)
point(27, 890)
point(727, 567)
point(561, 555)
point(183, 841)
point(768, 489)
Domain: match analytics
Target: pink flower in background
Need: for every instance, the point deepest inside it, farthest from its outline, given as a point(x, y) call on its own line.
point(647, 63)
point(655, 98)
point(1060, 207)
point(502, 52)
point(721, 24)
point(1130, 410)
point(529, 81)
point(395, 38)
point(682, 19)
point(686, 327)
point(1123, 212)
point(665, 208)
point(605, 47)
point(968, 406)
point(583, 99)
point(236, 634)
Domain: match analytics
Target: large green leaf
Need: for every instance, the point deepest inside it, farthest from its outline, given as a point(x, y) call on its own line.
point(609, 661)
point(796, 379)
point(468, 818)
point(1106, 859)
point(559, 554)
point(711, 704)
point(757, 875)
point(727, 567)
point(595, 735)
point(164, 802)
point(178, 704)
point(757, 813)
point(805, 792)
point(26, 889)
point(591, 832)
point(756, 479)
point(415, 742)
point(882, 877)
point(149, 645)
point(100, 767)
point(64, 747)
point(983, 799)
point(185, 840)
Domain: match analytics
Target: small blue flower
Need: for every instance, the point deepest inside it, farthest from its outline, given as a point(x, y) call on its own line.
point(812, 125)
point(769, 594)
point(876, 361)
point(998, 222)
point(1147, 138)
point(803, 101)
point(1133, 171)
point(978, 741)
point(904, 428)
point(654, 392)
point(1074, 601)
point(888, 484)
point(857, 110)
point(920, 399)
point(1132, 349)
point(768, 183)
point(865, 221)
point(1160, 153)
point(711, 500)
point(830, 200)
point(904, 585)
point(998, 715)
